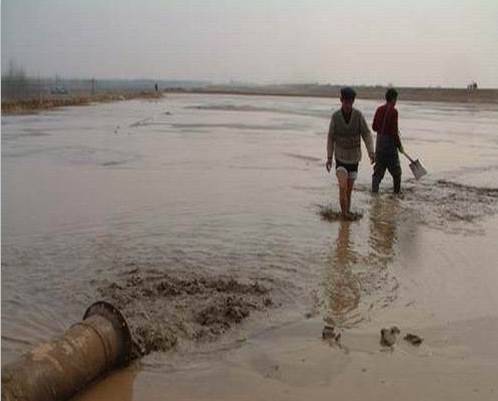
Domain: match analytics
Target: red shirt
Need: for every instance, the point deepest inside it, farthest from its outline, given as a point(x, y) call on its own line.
point(389, 125)
point(391, 120)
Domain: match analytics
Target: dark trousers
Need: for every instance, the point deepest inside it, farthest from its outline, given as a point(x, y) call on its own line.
point(389, 161)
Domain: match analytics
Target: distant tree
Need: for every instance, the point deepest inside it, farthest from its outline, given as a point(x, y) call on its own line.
point(15, 81)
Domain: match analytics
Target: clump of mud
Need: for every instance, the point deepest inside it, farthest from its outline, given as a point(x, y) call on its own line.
point(388, 337)
point(444, 204)
point(413, 339)
point(453, 202)
point(164, 308)
point(328, 213)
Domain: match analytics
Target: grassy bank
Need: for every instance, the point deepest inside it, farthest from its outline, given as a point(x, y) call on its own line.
point(27, 106)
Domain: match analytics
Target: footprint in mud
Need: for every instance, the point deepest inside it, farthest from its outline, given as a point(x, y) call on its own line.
point(331, 335)
point(389, 337)
point(413, 339)
point(328, 213)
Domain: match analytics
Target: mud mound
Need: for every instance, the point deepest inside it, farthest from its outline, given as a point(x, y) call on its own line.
point(449, 201)
point(445, 205)
point(165, 308)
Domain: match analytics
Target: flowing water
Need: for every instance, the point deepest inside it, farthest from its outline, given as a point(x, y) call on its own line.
point(205, 190)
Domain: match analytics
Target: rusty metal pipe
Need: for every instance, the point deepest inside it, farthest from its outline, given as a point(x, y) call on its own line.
point(56, 370)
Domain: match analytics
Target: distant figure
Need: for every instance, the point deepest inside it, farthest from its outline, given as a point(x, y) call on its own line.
point(347, 127)
point(156, 87)
point(385, 124)
point(472, 86)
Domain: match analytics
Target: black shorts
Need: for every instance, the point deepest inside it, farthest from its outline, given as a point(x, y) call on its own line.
point(351, 168)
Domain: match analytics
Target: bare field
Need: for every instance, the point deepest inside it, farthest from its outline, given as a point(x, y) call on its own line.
point(406, 94)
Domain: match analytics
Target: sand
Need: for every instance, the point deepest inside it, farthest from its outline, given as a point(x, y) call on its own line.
point(456, 361)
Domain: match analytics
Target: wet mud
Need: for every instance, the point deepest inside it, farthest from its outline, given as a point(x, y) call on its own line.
point(448, 201)
point(267, 109)
point(389, 337)
point(164, 309)
point(329, 213)
point(444, 204)
point(413, 339)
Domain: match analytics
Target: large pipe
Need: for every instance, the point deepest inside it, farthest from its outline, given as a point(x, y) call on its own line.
point(56, 370)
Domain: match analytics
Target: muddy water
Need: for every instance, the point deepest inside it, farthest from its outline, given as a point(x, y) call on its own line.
point(211, 206)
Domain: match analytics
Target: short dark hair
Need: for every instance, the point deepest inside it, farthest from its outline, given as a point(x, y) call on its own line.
point(391, 94)
point(348, 93)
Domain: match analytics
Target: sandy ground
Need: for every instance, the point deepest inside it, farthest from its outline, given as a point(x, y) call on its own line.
point(292, 363)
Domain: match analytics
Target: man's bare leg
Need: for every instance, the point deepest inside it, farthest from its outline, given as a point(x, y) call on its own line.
point(350, 185)
point(342, 178)
point(343, 198)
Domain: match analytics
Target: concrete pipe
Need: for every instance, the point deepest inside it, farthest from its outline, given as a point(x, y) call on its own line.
point(57, 370)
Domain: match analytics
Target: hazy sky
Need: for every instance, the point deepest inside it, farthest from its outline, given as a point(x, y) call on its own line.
point(416, 42)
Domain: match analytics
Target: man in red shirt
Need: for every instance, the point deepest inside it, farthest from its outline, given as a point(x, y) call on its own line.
point(385, 124)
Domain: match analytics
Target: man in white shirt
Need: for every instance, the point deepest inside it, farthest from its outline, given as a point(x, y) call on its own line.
point(347, 128)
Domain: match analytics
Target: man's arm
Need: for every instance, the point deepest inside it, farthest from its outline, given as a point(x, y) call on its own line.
point(376, 122)
point(330, 140)
point(397, 139)
point(367, 138)
point(330, 145)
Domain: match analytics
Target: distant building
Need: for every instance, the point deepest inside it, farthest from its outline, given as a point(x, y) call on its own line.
point(59, 90)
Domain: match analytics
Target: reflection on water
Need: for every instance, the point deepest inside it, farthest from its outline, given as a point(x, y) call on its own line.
point(351, 274)
point(342, 286)
point(382, 225)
